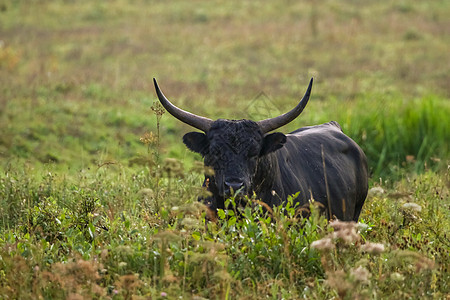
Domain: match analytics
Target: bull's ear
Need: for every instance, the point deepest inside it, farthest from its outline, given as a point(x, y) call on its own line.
point(272, 142)
point(197, 142)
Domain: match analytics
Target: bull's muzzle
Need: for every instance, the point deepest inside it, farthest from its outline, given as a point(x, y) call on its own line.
point(234, 187)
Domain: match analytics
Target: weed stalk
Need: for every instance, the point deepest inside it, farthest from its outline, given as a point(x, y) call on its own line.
point(158, 110)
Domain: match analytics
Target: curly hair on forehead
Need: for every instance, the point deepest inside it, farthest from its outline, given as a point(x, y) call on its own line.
point(224, 124)
point(236, 130)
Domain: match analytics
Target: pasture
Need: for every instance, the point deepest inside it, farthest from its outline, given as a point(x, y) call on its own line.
point(98, 193)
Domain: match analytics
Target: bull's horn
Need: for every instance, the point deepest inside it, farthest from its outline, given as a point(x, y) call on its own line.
point(198, 122)
point(274, 123)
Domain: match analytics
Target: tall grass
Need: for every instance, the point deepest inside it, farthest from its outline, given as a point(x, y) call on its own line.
point(400, 136)
point(110, 235)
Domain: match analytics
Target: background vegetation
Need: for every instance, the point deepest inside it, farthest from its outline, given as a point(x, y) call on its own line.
point(97, 202)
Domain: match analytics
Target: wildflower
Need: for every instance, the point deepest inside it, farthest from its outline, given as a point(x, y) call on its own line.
point(376, 191)
point(323, 244)
point(158, 109)
point(372, 248)
point(336, 280)
point(361, 274)
point(129, 282)
point(340, 225)
point(362, 226)
point(348, 236)
point(397, 276)
point(412, 206)
point(148, 138)
point(345, 231)
point(163, 294)
point(190, 222)
point(147, 193)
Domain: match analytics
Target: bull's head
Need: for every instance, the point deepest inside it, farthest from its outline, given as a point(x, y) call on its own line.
point(233, 147)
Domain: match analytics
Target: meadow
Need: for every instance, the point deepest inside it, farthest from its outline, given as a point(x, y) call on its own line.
point(98, 195)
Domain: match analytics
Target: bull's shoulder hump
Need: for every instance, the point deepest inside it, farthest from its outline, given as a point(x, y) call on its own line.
point(332, 125)
point(328, 135)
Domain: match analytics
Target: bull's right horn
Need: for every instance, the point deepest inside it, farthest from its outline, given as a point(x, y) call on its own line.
point(274, 123)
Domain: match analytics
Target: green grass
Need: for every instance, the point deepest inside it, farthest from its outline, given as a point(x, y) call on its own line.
point(93, 204)
point(116, 232)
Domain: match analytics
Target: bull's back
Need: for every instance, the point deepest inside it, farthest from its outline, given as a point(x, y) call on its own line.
point(301, 162)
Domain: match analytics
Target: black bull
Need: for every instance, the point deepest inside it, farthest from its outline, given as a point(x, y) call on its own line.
point(320, 162)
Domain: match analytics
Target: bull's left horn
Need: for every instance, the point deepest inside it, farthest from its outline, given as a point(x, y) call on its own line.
point(274, 123)
point(198, 122)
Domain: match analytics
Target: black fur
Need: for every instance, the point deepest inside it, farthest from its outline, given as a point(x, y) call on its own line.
point(275, 165)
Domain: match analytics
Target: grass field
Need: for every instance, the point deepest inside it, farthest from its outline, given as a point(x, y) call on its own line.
point(97, 202)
